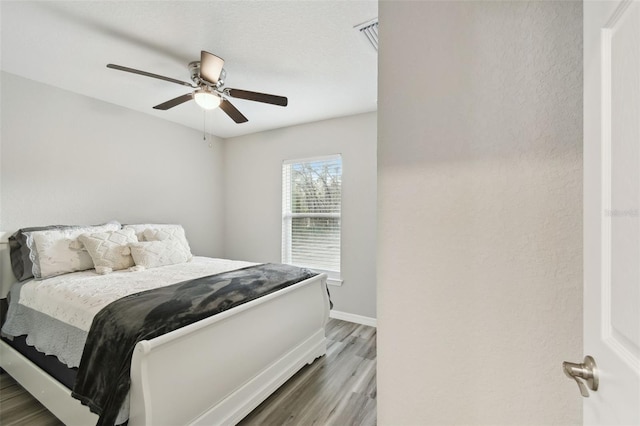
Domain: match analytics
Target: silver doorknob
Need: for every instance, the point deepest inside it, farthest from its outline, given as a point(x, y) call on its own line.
point(585, 374)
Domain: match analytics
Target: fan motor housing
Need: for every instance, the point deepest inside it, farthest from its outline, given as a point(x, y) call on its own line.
point(194, 72)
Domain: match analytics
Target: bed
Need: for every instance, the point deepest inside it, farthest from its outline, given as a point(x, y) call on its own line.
point(212, 371)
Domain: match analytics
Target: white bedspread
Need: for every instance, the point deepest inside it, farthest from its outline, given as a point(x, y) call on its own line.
point(77, 297)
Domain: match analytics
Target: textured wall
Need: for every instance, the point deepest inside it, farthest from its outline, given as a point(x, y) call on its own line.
point(253, 198)
point(71, 159)
point(480, 212)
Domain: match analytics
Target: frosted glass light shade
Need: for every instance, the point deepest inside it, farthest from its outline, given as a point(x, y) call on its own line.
point(206, 100)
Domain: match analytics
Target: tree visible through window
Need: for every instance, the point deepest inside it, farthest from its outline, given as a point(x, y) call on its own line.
point(311, 194)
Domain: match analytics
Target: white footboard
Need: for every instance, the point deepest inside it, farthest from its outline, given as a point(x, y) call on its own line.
point(217, 370)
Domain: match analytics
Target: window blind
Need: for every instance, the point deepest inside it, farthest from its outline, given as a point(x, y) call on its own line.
point(311, 206)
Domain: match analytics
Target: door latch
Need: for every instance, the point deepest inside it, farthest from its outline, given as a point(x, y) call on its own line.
point(585, 374)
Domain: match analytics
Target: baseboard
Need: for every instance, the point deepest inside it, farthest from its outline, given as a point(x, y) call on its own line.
point(358, 319)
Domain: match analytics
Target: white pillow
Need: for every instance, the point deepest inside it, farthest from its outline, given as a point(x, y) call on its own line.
point(175, 233)
point(140, 228)
point(54, 255)
point(106, 251)
point(160, 232)
point(151, 254)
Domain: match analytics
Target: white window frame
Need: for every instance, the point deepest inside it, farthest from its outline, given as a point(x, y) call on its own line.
point(334, 277)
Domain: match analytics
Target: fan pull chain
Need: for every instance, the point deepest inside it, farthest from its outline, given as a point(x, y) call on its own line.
point(204, 128)
point(204, 125)
point(211, 131)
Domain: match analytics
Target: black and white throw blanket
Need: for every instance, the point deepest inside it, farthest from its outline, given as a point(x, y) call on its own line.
point(103, 378)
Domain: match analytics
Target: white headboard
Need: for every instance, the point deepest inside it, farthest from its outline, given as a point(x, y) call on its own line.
point(6, 274)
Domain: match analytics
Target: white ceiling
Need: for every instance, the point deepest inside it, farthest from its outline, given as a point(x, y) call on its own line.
point(307, 51)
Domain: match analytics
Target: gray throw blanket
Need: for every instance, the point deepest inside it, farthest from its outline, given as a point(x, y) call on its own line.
point(103, 378)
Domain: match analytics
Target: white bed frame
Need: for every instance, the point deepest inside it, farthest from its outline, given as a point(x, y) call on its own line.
point(213, 372)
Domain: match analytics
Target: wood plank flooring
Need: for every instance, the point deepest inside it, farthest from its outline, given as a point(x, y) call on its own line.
point(337, 389)
point(18, 407)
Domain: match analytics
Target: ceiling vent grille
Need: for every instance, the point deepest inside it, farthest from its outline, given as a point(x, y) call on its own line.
point(370, 30)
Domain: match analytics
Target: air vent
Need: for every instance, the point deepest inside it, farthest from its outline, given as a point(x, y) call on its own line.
point(370, 30)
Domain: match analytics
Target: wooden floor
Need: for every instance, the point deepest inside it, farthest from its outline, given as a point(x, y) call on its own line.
point(337, 389)
point(17, 407)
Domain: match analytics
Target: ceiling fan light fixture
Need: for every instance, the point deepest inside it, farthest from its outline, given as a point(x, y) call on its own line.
point(206, 99)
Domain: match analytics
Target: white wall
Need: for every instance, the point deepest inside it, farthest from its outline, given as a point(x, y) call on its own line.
point(480, 212)
point(253, 202)
point(71, 159)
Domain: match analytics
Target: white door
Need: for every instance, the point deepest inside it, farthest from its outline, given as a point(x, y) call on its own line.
point(612, 209)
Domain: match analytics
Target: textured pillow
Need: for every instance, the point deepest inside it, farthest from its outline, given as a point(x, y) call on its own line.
point(105, 249)
point(52, 253)
point(19, 251)
point(140, 228)
point(159, 232)
point(173, 233)
point(151, 254)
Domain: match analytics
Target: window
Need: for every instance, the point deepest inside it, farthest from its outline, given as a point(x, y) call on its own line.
point(311, 204)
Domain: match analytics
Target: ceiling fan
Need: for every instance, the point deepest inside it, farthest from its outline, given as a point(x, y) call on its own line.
point(207, 76)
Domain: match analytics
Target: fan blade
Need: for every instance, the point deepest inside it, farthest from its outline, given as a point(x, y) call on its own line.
point(258, 97)
point(210, 66)
point(232, 112)
point(148, 74)
point(174, 102)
